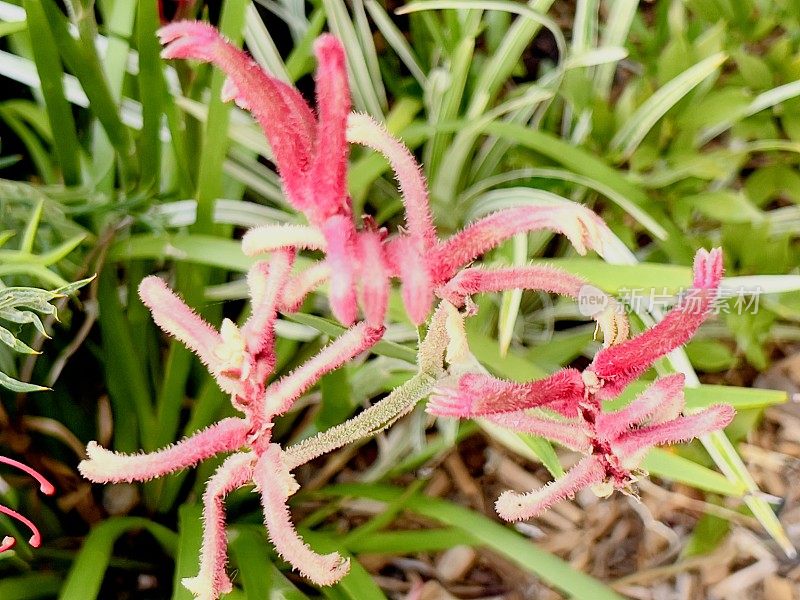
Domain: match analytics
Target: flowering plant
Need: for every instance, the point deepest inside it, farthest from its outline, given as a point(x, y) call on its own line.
point(614, 442)
point(310, 151)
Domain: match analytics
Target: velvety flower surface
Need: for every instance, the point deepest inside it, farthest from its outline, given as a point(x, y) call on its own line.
point(240, 359)
point(614, 442)
point(311, 152)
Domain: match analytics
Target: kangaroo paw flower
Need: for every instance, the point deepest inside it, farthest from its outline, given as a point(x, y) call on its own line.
point(417, 285)
point(266, 238)
point(212, 580)
point(583, 228)
point(614, 442)
point(567, 433)
point(618, 365)
point(662, 401)
point(105, 466)
point(363, 129)
point(512, 506)
point(280, 396)
point(479, 395)
point(610, 318)
point(275, 485)
point(675, 431)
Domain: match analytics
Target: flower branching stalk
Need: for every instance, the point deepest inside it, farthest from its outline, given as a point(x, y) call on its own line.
point(360, 260)
point(614, 443)
point(240, 359)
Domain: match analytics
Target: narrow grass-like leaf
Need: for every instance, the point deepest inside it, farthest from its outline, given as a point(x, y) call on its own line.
point(665, 464)
point(597, 56)
point(647, 221)
point(127, 383)
point(761, 102)
point(51, 75)
point(530, 447)
point(195, 248)
point(86, 574)
point(396, 39)
point(82, 59)
point(576, 159)
point(260, 577)
point(190, 536)
point(260, 44)
point(152, 92)
point(30, 586)
point(495, 537)
point(29, 234)
point(364, 88)
point(40, 156)
point(19, 386)
point(509, 305)
point(707, 394)
point(639, 124)
point(492, 76)
point(411, 542)
point(614, 34)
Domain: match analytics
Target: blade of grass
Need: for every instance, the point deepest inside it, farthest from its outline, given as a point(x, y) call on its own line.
point(86, 573)
point(615, 33)
point(82, 59)
point(190, 536)
point(152, 91)
point(665, 464)
point(639, 124)
point(260, 577)
point(509, 305)
point(51, 75)
point(396, 39)
point(365, 92)
point(30, 586)
point(126, 381)
point(761, 102)
point(499, 539)
point(260, 44)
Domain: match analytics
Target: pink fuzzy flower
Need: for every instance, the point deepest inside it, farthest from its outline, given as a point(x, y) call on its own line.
point(45, 487)
point(614, 443)
point(241, 360)
point(311, 156)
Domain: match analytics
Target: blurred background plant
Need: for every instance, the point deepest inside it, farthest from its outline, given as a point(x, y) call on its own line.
point(675, 120)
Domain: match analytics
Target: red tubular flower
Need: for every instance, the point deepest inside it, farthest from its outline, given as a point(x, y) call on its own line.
point(615, 443)
point(45, 487)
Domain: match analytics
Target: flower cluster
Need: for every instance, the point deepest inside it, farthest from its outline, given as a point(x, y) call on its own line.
point(45, 487)
point(614, 442)
point(310, 151)
point(240, 359)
